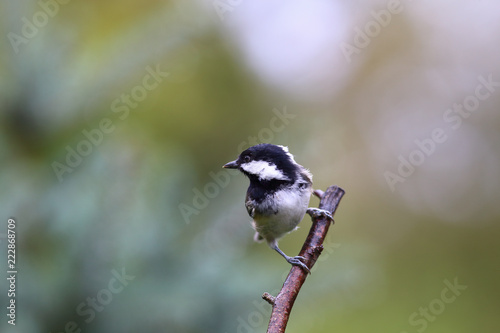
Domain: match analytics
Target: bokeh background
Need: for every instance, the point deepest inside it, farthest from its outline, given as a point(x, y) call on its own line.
point(116, 117)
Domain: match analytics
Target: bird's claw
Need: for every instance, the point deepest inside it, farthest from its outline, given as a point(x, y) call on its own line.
point(316, 212)
point(296, 261)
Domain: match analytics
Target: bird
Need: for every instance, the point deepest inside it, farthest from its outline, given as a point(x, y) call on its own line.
point(278, 195)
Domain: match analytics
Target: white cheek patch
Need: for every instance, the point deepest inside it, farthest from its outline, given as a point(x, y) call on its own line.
point(263, 170)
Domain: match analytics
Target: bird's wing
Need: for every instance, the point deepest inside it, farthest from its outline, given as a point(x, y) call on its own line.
point(250, 206)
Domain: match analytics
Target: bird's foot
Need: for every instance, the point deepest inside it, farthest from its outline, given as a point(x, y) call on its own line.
point(296, 261)
point(316, 212)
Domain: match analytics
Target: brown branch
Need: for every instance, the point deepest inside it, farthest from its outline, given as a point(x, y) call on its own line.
point(283, 303)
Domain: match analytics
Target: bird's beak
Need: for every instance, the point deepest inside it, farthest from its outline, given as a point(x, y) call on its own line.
point(231, 165)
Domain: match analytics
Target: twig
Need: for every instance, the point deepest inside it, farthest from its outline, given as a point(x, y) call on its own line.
point(283, 303)
point(268, 298)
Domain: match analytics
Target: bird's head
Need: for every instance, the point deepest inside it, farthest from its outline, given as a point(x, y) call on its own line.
point(266, 162)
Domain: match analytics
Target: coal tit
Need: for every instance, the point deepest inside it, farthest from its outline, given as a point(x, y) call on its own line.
point(278, 196)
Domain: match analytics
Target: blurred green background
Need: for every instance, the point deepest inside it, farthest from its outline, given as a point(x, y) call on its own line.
point(116, 117)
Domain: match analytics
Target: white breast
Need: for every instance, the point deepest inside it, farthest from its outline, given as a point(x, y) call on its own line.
point(290, 206)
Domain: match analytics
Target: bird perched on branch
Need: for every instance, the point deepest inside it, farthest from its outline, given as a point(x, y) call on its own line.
point(278, 196)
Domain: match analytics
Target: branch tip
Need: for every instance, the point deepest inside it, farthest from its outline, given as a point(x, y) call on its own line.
point(268, 298)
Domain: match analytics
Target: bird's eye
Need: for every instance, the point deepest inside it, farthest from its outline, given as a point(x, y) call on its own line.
point(247, 158)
